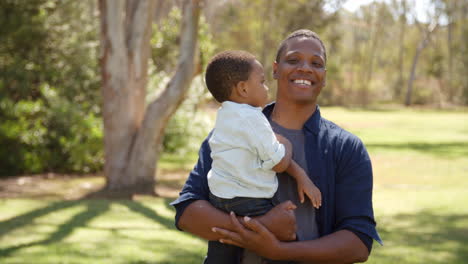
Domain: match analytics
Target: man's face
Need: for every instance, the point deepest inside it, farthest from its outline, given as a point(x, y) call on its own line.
point(300, 71)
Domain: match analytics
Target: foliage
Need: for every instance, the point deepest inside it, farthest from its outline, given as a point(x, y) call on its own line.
point(49, 89)
point(190, 125)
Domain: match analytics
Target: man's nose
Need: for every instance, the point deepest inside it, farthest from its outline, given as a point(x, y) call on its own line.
point(306, 67)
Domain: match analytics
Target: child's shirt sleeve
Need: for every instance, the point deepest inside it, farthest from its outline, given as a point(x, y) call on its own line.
point(263, 140)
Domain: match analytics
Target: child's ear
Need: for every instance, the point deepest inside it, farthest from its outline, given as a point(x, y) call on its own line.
point(242, 89)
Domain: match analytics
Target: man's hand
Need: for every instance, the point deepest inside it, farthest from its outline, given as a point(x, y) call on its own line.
point(256, 237)
point(281, 221)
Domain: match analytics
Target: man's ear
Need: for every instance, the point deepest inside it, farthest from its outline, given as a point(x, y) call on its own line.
point(324, 83)
point(241, 89)
point(275, 70)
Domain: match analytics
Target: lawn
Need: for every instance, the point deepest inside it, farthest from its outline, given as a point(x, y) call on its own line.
point(420, 160)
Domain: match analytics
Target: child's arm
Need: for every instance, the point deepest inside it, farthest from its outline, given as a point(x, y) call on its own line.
point(304, 184)
point(286, 161)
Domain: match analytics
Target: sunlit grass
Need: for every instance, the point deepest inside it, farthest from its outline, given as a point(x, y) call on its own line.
point(420, 161)
point(95, 231)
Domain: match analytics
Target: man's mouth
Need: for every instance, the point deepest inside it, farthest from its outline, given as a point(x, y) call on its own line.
point(303, 82)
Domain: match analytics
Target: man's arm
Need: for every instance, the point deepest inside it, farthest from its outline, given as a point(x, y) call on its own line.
point(342, 246)
point(200, 217)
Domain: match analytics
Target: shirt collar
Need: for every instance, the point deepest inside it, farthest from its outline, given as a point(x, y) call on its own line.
point(312, 124)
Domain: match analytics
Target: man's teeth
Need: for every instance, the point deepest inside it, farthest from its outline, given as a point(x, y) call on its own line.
point(302, 82)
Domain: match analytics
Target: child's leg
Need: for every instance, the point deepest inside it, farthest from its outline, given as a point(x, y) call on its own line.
point(222, 253)
point(217, 251)
point(254, 207)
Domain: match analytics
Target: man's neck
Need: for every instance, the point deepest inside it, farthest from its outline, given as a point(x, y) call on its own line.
point(292, 116)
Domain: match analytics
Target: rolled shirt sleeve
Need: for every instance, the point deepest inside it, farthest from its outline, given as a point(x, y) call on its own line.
point(262, 137)
point(353, 193)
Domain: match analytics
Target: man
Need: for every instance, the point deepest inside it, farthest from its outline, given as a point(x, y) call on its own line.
point(343, 229)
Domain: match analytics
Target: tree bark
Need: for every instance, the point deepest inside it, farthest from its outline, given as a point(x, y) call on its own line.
point(449, 13)
point(422, 44)
point(401, 49)
point(132, 132)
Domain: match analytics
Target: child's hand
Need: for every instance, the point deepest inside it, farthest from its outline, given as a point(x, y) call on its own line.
point(308, 188)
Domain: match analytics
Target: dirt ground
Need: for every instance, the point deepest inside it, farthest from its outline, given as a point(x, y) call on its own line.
point(71, 187)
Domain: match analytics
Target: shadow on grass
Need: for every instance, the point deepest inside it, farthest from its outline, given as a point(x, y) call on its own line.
point(444, 150)
point(149, 213)
point(440, 238)
point(93, 208)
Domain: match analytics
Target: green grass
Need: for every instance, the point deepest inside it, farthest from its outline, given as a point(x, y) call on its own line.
point(420, 160)
point(93, 231)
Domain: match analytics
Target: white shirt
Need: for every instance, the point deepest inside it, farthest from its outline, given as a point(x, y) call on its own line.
point(244, 150)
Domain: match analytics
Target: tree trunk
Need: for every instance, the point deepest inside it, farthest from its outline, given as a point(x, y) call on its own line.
point(450, 12)
point(401, 49)
point(132, 133)
point(422, 44)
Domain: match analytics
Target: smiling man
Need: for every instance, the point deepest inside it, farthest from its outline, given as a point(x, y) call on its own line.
point(343, 229)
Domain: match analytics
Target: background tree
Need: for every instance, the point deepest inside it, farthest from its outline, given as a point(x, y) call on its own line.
point(426, 32)
point(134, 132)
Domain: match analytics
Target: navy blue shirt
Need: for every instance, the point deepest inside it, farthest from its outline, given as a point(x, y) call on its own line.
point(342, 171)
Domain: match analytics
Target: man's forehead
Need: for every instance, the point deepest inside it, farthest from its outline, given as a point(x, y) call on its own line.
point(299, 43)
point(304, 45)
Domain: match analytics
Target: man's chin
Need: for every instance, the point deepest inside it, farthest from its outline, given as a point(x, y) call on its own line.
point(305, 100)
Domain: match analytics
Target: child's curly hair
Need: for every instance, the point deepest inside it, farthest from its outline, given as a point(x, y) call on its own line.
point(226, 70)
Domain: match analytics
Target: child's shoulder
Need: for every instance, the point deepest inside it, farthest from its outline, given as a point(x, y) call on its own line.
point(242, 110)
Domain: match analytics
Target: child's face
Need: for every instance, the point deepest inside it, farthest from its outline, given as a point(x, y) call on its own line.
point(256, 87)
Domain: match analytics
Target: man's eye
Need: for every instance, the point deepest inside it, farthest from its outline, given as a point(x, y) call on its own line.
point(292, 60)
point(317, 64)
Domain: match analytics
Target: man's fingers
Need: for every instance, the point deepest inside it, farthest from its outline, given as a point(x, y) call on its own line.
point(255, 225)
point(230, 241)
point(238, 227)
point(289, 205)
point(226, 234)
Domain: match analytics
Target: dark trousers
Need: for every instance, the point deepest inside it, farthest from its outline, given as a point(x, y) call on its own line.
point(219, 253)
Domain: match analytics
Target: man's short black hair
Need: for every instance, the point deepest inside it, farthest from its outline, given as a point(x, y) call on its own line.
point(226, 70)
point(300, 33)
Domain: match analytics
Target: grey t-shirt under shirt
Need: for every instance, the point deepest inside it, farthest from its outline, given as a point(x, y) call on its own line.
point(287, 190)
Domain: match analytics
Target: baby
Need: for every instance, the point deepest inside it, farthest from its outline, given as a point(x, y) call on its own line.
point(246, 152)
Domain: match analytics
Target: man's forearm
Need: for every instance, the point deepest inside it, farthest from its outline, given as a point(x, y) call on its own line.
point(200, 217)
point(341, 247)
